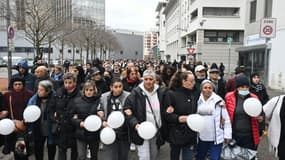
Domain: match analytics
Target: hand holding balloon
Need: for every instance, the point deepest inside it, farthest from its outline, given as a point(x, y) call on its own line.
point(252, 106)
point(31, 113)
point(107, 135)
point(116, 119)
point(92, 123)
point(196, 122)
point(146, 130)
point(182, 119)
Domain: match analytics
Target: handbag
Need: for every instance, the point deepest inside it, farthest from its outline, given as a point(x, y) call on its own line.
point(21, 147)
point(159, 138)
point(234, 152)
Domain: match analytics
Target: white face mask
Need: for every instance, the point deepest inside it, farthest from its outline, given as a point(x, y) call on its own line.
point(243, 93)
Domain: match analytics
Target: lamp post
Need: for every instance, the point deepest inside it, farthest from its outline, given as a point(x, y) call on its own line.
point(8, 16)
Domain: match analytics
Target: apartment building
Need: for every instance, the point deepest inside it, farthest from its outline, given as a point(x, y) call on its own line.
point(206, 26)
point(150, 45)
point(160, 23)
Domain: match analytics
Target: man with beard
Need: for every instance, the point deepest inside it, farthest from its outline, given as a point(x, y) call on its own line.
point(65, 97)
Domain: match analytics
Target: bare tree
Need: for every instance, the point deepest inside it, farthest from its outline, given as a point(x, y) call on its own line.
point(40, 23)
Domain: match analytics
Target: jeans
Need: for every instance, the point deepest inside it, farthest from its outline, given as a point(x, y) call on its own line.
point(187, 152)
point(117, 151)
point(205, 147)
point(148, 150)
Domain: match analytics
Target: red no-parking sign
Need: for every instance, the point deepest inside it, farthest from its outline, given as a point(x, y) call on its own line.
point(268, 28)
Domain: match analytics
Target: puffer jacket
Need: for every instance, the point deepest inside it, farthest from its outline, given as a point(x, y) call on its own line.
point(84, 107)
point(231, 106)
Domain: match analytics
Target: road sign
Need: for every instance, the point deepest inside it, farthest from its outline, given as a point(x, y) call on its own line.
point(191, 50)
point(229, 42)
point(11, 32)
point(268, 28)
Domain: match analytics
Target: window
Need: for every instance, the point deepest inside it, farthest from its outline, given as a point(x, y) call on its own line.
point(121, 52)
point(221, 36)
point(194, 14)
point(217, 11)
point(252, 16)
point(268, 8)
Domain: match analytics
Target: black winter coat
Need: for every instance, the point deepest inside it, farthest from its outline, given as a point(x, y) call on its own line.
point(136, 102)
point(184, 102)
point(83, 107)
point(63, 107)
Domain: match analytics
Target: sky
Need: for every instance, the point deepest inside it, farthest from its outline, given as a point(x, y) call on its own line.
point(136, 15)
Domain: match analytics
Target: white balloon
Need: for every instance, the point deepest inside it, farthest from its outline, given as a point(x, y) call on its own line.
point(196, 122)
point(146, 130)
point(252, 106)
point(116, 119)
point(32, 113)
point(92, 123)
point(108, 135)
point(7, 126)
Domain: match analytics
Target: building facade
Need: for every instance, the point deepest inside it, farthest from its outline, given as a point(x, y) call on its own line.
point(131, 44)
point(254, 54)
point(160, 23)
point(150, 45)
point(206, 26)
point(76, 12)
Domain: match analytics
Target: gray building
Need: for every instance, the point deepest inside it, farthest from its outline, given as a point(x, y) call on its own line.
point(131, 46)
point(85, 12)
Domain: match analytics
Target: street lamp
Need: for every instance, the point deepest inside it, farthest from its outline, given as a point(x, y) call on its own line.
point(8, 16)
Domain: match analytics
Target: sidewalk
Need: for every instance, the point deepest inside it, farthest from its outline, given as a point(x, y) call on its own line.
point(3, 84)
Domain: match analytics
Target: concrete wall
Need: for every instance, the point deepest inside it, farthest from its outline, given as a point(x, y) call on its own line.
point(277, 56)
point(130, 44)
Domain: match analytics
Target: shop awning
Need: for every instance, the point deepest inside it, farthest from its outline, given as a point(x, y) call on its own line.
point(249, 48)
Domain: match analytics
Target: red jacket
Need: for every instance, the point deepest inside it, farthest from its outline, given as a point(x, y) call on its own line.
point(231, 105)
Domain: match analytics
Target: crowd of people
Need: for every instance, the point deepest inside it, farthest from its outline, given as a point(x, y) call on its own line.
point(161, 93)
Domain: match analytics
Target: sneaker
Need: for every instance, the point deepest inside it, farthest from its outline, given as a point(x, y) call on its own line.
point(132, 147)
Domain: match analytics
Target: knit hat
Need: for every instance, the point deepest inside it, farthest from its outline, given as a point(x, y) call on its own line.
point(242, 80)
point(214, 68)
